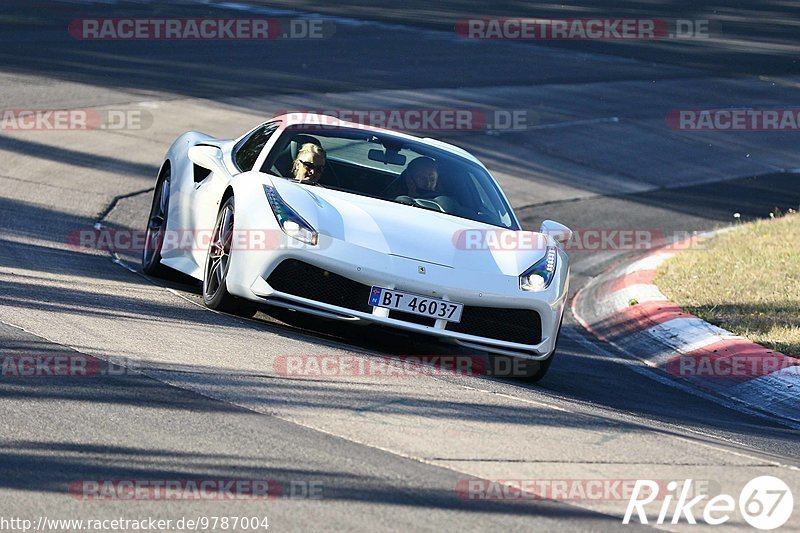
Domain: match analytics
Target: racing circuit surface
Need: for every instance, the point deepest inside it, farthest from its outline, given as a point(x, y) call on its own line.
point(197, 395)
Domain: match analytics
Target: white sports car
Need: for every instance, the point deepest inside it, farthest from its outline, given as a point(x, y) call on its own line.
point(364, 244)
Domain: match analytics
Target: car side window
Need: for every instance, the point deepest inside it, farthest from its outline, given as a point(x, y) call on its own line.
point(247, 150)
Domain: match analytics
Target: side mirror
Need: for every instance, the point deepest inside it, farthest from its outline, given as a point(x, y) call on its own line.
point(208, 157)
point(559, 232)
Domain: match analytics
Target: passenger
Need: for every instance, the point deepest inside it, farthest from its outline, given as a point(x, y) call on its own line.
point(309, 164)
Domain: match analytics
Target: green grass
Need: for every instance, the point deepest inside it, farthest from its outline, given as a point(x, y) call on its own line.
point(746, 281)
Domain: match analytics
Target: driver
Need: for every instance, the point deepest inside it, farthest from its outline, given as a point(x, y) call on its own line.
point(418, 180)
point(309, 164)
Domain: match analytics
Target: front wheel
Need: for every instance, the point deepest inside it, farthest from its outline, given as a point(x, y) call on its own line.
point(526, 369)
point(218, 260)
point(538, 369)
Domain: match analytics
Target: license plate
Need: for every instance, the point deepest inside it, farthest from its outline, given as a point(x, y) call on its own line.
point(415, 304)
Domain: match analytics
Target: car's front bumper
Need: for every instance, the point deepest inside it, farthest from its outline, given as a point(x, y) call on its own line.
point(490, 319)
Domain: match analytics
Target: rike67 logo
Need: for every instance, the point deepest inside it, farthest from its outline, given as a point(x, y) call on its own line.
point(765, 503)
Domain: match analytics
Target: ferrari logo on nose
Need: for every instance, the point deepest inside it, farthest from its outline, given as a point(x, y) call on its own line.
point(421, 270)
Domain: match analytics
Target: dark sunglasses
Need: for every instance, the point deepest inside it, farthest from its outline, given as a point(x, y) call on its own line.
point(311, 166)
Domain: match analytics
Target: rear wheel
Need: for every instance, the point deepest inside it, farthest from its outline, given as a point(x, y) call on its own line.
point(156, 227)
point(215, 290)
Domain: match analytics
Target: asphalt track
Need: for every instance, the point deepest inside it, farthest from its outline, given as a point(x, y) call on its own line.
point(202, 399)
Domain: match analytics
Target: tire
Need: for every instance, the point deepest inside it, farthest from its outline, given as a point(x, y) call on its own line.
point(538, 369)
point(156, 227)
point(215, 272)
point(525, 369)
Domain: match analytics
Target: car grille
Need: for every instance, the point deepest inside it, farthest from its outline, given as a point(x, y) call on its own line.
point(308, 281)
point(511, 325)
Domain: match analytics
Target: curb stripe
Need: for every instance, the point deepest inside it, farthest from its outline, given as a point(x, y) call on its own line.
point(607, 304)
point(664, 336)
point(778, 389)
point(635, 318)
point(690, 333)
point(640, 277)
point(649, 262)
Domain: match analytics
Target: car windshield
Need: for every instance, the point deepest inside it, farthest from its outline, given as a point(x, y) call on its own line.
point(397, 170)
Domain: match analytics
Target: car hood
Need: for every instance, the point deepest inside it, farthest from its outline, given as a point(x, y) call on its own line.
point(414, 233)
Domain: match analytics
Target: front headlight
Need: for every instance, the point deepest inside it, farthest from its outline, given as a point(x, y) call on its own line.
point(539, 276)
point(290, 222)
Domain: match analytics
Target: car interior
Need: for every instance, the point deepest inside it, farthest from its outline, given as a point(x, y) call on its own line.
point(458, 190)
